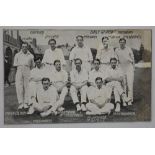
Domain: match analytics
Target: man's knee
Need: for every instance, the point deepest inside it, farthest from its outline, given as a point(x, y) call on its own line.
point(110, 106)
point(84, 89)
point(65, 90)
point(88, 105)
point(72, 89)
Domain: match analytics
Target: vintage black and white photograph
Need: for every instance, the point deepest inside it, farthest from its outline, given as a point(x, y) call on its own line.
point(77, 75)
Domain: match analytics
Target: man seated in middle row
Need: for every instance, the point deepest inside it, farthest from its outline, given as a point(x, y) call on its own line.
point(96, 72)
point(116, 80)
point(79, 79)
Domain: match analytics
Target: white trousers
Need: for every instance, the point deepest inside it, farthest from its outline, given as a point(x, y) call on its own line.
point(41, 107)
point(22, 83)
point(117, 89)
point(95, 109)
point(33, 86)
point(63, 92)
point(129, 74)
point(83, 92)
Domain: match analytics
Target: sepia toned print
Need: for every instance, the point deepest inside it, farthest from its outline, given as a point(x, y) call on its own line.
point(77, 75)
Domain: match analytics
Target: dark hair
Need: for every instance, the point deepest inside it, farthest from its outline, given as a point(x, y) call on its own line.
point(45, 79)
point(77, 59)
point(122, 39)
point(56, 61)
point(38, 58)
point(79, 36)
point(105, 38)
point(97, 60)
point(98, 78)
point(113, 59)
point(25, 43)
point(52, 40)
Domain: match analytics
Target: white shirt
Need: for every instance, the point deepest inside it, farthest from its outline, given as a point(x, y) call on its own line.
point(93, 74)
point(48, 97)
point(83, 53)
point(114, 73)
point(50, 56)
point(79, 77)
point(22, 59)
point(105, 55)
point(125, 56)
point(61, 76)
point(95, 92)
point(39, 73)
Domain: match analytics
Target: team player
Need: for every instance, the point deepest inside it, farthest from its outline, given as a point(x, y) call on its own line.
point(82, 52)
point(99, 99)
point(47, 97)
point(59, 81)
point(126, 61)
point(52, 54)
point(116, 80)
point(36, 75)
point(23, 61)
point(105, 53)
point(79, 79)
point(96, 72)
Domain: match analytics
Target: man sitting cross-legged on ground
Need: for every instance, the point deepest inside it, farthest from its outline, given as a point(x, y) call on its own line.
point(47, 97)
point(59, 81)
point(116, 80)
point(99, 99)
point(79, 79)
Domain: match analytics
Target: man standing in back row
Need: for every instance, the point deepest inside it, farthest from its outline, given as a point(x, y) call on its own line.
point(52, 54)
point(82, 52)
point(126, 61)
point(105, 53)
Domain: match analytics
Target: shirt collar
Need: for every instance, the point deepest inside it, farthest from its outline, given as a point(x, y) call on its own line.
point(80, 71)
point(28, 53)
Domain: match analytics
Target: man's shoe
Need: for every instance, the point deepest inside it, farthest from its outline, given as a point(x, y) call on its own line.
point(83, 107)
point(124, 104)
point(47, 113)
point(21, 106)
point(26, 106)
point(31, 110)
point(78, 108)
point(129, 103)
point(118, 107)
point(60, 109)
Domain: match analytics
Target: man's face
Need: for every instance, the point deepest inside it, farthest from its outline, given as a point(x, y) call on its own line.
point(46, 84)
point(24, 48)
point(79, 41)
point(99, 83)
point(52, 44)
point(38, 63)
point(78, 65)
point(105, 43)
point(58, 66)
point(96, 65)
point(113, 63)
point(122, 43)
